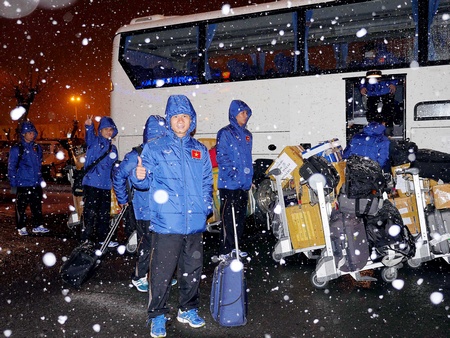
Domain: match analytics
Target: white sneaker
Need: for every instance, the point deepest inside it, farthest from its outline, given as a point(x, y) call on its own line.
point(40, 230)
point(141, 284)
point(23, 231)
point(111, 244)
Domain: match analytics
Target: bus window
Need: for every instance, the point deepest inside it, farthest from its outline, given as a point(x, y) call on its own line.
point(432, 110)
point(336, 40)
point(156, 58)
point(439, 42)
point(251, 47)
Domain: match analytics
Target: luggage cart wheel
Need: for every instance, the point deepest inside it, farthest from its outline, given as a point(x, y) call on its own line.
point(389, 274)
point(316, 283)
point(413, 264)
point(276, 257)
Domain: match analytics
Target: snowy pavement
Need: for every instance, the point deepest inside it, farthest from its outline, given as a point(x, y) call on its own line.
point(281, 300)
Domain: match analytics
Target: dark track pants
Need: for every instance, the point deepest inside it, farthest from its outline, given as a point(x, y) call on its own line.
point(31, 196)
point(144, 237)
point(238, 198)
point(167, 252)
point(96, 213)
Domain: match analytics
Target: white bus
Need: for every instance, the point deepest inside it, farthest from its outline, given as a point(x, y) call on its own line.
point(298, 64)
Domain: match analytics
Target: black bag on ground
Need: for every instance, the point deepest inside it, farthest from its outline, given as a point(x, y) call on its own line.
point(83, 260)
point(363, 177)
point(318, 165)
point(402, 151)
point(80, 265)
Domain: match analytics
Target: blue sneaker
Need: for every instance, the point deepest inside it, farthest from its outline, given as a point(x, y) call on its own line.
point(173, 282)
point(158, 327)
point(191, 317)
point(141, 284)
point(40, 230)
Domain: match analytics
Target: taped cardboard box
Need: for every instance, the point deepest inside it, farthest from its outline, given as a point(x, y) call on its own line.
point(441, 194)
point(305, 226)
point(408, 210)
point(289, 162)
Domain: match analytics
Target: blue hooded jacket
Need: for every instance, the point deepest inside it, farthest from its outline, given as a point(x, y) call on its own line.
point(179, 176)
point(100, 176)
point(155, 127)
point(377, 87)
point(26, 170)
point(371, 143)
point(234, 151)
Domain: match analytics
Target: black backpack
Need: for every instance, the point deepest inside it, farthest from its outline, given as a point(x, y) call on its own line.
point(363, 177)
point(402, 151)
point(319, 165)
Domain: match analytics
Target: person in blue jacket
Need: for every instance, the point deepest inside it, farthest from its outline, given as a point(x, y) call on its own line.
point(234, 159)
point(25, 177)
point(97, 182)
point(177, 170)
point(155, 127)
point(371, 143)
point(380, 103)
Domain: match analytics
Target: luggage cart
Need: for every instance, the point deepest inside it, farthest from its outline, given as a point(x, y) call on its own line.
point(424, 240)
point(327, 265)
point(284, 248)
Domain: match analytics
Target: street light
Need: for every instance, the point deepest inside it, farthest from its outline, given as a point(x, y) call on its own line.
point(75, 100)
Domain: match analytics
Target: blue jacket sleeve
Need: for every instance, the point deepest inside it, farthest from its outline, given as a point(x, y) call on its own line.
point(146, 162)
point(207, 184)
point(225, 162)
point(13, 160)
point(122, 174)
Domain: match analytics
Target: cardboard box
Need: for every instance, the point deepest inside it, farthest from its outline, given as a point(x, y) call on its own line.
point(441, 194)
point(408, 210)
point(305, 226)
point(289, 161)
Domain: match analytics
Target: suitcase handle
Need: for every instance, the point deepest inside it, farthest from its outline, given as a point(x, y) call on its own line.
point(235, 234)
point(114, 224)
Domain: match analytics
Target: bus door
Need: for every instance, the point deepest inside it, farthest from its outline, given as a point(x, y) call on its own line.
point(391, 107)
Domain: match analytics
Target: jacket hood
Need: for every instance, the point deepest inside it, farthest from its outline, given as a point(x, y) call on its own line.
point(26, 127)
point(106, 122)
point(374, 128)
point(180, 104)
point(236, 107)
point(155, 127)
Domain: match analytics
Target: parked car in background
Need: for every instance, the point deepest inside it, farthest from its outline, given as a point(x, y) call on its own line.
point(4, 153)
point(54, 159)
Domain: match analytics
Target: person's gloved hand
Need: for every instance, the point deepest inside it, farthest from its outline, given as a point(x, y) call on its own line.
point(14, 190)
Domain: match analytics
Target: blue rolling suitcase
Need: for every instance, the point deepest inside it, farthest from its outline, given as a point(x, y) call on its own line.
point(228, 302)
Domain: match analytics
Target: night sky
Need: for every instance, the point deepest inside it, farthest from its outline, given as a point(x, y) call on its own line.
point(56, 39)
